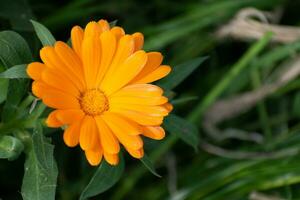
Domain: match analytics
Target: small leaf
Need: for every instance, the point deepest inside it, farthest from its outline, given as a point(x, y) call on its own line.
point(17, 71)
point(40, 176)
point(14, 50)
point(113, 23)
point(43, 34)
point(149, 165)
point(104, 178)
point(185, 130)
point(10, 147)
point(180, 72)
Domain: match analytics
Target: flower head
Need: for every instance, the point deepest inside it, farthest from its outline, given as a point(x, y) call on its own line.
point(100, 90)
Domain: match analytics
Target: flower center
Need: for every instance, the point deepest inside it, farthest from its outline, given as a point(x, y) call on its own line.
point(93, 102)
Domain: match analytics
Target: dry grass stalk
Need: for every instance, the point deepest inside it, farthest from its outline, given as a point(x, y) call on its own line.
point(245, 26)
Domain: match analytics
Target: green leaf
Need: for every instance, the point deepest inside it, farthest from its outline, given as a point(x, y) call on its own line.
point(185, 130)
point(180, 72)
point(3, 89)
point(43, 34)
point(17, 71)
point(3, 85)
point(14, 50)
point(40, 176)
point(10, 147)
point(149, 165)
point(16, 90)
point(104, 178)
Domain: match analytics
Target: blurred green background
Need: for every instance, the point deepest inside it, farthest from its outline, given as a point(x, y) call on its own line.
point(253, 154)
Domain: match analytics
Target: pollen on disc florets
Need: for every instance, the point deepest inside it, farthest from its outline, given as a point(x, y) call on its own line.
point(93, 102)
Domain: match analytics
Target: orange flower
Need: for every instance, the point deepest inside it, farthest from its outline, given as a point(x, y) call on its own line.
point(100, 89)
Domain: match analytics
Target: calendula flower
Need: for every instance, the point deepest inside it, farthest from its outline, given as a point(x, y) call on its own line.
point(100, 91)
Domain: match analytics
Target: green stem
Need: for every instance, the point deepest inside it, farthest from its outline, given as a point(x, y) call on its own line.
point(262, 111)
point(38, 111)
point(19, 124)
point(8, 127)
point(25, 137)
point(26, 102)
point(31, 121)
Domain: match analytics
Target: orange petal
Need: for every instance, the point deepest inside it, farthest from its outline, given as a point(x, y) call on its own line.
point(108, 43)
point(157, 74)
point(56, 99)
point(130, 141)
point(92, 29)
point(88, 134)
point(153, 62)
point(141, 118)
point(130, 127)
point(52, 60)
point(91, 54)
point(69, 116)
point(104, 25)
point(154, 132)
point(93, 157)
point(39, 88)
point(138, 41)
point(168, 106)
point(54, 79)
point(109, 142)
point(48, 56)
point(35, 69)
point(52, 120)
point(139, 153)
point(124, 50)
point(70, 60)
point(118, 32)
point(76, 38)
point(139, 90)
point(124, 73)
point(138, 100)
point(149, 110)
point(71, 134)
point(112, 159)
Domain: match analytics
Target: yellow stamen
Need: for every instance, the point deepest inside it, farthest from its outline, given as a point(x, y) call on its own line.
point(94, 102)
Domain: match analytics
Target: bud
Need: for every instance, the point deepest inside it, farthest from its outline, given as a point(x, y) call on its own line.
point(10, 147)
